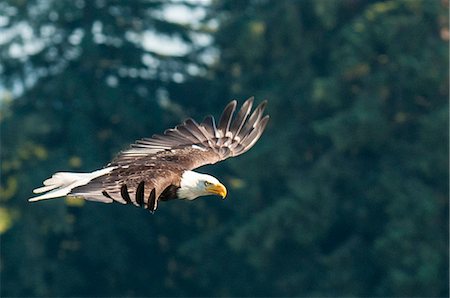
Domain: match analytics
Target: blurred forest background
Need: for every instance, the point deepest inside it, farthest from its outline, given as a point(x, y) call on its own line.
point(346, 194)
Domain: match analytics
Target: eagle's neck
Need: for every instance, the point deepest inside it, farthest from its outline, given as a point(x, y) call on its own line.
point(191, 185)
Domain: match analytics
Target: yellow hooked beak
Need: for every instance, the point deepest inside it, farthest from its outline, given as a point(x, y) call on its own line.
point(217, 189)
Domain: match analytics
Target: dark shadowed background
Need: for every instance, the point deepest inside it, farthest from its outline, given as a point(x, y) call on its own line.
point(346, 194)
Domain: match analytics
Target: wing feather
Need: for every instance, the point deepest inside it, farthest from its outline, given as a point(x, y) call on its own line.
point(252, 121)
point(176, 133)
point(196, 130)
point(125, 194)
point(190, 135)
point(152, 201)
point(231, 137)
point(140, 193)
point(254, 136)
point(210, 126)
point(225, 119)
point(242, 115)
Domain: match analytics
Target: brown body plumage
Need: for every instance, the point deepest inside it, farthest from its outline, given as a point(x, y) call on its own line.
point(152, 169)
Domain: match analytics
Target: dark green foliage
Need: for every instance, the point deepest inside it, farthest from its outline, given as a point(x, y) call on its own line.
point(346, 194)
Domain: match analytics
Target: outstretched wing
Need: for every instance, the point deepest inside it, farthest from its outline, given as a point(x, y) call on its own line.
point(153, 165)
point(194, 145)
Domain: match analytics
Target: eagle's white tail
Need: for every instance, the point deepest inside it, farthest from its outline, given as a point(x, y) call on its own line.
point(61, 183)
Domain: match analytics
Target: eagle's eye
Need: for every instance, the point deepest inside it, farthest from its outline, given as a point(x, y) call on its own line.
point(207, 183)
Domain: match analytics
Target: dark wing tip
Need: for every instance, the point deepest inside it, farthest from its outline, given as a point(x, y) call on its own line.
point(151, 206)
point(125, 194)
point(140, 193)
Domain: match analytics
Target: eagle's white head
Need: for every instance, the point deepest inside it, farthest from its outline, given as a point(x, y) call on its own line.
point(194, 185)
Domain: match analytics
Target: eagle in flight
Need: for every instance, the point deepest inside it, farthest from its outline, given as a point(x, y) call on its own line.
point(160, 168)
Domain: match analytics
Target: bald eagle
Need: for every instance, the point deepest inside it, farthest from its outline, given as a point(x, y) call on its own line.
point(160, 168)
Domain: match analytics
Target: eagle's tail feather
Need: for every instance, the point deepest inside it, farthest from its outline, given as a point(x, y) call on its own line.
point(62, 183)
